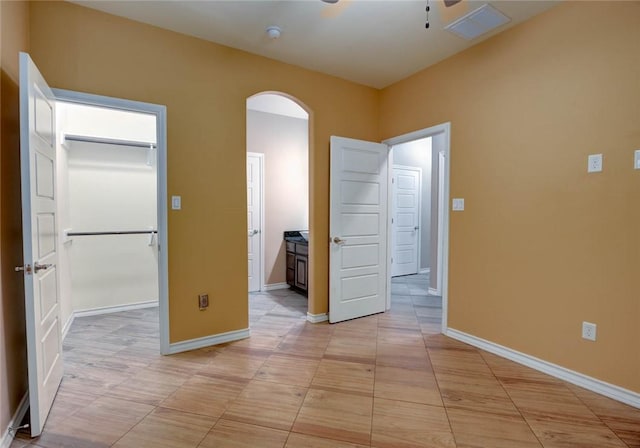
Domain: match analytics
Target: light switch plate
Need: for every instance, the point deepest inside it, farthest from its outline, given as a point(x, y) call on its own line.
point(636, 159)
point(176, 202)
point(458, 204)
point(594, 163)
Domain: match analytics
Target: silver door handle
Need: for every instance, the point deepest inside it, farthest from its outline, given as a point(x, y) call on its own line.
point(253, 232)
point(26, 269)
point(40, 267)
point(416, 228)
point(338, 240)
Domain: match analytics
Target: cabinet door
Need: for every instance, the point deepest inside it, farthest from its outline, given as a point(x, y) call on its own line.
point(301, 272)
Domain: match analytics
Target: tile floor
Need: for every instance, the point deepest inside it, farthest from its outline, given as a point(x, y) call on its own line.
point(389, 380)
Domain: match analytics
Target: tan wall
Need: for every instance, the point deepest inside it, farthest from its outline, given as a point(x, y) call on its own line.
point(284, 141)
point(205, 87)
point(542, 245)
point(14, 19)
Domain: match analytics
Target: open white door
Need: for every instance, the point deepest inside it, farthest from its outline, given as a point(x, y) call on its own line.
point(42, 308)
point(254, 219)
point(405, 220)
point(358, 229)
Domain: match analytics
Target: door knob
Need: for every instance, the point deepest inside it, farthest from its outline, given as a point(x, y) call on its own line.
point(338, 240)
point(26, 269)
point(40, 267)
point(416, 228)
point(253, 232)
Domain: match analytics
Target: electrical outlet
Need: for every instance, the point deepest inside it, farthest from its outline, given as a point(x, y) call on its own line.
point(203, 301)
point(636, 159)
point(588, 331)
point(594, 163)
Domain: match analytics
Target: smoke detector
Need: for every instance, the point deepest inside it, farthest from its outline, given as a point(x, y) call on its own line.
point(274, 32)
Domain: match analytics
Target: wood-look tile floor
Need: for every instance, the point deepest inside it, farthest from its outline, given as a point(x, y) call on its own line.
point(389, 380)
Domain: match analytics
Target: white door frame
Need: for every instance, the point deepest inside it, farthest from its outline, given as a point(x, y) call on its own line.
point(392, 204)
point(161, 134)
point(442, 207)
point(444, 129)
point(260, 156)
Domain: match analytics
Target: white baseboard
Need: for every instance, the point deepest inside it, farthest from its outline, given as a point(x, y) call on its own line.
point(425, 271)
point(67, 325)
point(434, 292)
point(274, 286)
point(317, 318)
point(7, 435)
point(115, 309)
point(598, 386)
point(207, 341)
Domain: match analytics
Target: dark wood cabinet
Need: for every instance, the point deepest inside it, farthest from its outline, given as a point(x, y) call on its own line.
point(297, 266)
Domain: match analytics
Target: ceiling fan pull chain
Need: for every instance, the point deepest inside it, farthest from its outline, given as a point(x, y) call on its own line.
point(427, 9)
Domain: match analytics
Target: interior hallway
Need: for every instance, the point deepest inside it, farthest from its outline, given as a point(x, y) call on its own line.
point(387, 380)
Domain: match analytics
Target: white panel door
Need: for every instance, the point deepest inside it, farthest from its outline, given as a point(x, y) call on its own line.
point(358, 229)
point(254, 219)
point(405, 220)
point(42, 306)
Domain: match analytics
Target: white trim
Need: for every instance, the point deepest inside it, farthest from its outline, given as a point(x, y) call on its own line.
point(445, 129)
point(579, 379)
point(317, 318)
point(274, 286)
point(8, 435)
point(442, 208)
point(114, 309)
point(433, 292)
point(161, 138)
point(207, 341)
point(67, 325)
point(425, 271)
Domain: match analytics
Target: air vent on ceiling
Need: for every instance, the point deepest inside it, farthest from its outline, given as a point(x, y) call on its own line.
point(477, 22)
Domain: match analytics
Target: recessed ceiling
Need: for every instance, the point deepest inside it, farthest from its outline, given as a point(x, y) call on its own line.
point(371, 42)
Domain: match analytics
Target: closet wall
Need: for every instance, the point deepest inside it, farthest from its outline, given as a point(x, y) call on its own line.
point(102, 188)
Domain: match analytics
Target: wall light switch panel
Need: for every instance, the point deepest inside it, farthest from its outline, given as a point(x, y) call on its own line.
point(636, 159)
point(176, 202)
point(594, 163)
point(458, 204)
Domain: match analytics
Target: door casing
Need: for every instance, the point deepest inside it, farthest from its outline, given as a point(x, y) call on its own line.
point(160, 112)
point(445, 130)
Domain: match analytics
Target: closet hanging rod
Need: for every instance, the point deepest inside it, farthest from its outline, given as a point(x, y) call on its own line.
point(109, 141)
point(114, 232)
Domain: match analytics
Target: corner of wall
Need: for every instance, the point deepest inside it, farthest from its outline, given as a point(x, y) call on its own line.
point(14, 30)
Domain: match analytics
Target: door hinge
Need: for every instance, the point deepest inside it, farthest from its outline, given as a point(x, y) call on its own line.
point(391, 220)
point(392, 260)
point(393, 180)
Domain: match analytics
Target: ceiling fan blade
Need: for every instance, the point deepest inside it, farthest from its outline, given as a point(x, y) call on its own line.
point(448, 3)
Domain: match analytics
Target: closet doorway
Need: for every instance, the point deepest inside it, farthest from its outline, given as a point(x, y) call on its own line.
point(111, 181)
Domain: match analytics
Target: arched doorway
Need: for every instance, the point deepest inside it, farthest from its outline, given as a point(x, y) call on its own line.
point(277, 205)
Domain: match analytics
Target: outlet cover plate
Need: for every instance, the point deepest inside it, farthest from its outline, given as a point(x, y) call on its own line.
point(636, 159)
point(203, 301)
point(589, 331)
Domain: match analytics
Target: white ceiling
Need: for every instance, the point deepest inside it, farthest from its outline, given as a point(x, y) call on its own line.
point(371, 42)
